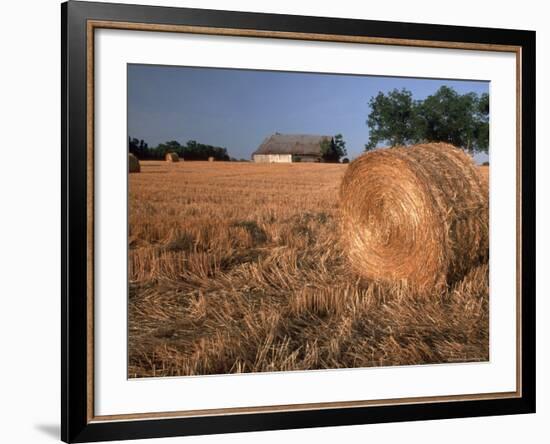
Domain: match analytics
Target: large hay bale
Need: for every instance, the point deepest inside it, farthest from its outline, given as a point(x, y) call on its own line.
point(172, 157)
point(416, 215)
point(133, 164)
point(210, 159)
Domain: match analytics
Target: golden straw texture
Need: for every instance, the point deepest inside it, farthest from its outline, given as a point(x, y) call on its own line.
point(415, 215)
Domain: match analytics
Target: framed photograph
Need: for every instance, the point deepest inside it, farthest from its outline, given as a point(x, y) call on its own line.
point(275, 221)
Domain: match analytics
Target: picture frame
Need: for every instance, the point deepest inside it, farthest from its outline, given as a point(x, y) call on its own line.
point(80, 21)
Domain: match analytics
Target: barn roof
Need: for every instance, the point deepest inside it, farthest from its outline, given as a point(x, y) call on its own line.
point(304, 144)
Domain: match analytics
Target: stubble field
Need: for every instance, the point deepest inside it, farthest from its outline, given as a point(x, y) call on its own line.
point(238, 267)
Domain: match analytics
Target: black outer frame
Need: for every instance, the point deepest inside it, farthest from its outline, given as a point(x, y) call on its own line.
point(74, 424)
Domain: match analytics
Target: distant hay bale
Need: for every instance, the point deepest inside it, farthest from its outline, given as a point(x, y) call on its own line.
point(416, 215)
point(133, 164)
point(210, 159)
point(171, 157)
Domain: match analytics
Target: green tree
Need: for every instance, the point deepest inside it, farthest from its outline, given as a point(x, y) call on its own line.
point(332, 150)
point(139, 148)
point(482, 132)
point(461, 120)
point(446, 116)
point(340, 146)
point(392, 119)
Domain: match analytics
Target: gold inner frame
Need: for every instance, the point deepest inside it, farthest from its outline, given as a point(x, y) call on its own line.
point(92, 25)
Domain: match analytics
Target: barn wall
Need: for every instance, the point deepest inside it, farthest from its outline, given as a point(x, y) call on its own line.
point(272, 158)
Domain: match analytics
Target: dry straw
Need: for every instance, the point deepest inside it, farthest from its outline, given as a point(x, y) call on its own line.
point(415, 215)
point(133, 164)
point(210, 159)
point(172, 157)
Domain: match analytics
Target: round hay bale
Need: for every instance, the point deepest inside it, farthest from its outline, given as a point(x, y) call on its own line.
point(416, 216)
point(133, 164)
point(172, 157)
point(210, 159)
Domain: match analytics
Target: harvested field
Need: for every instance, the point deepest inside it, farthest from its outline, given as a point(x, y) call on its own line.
point(239, 267)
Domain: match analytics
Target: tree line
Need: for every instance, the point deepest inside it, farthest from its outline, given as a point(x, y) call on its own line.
point(445, 116)
point(192, 150)
point(331, 151)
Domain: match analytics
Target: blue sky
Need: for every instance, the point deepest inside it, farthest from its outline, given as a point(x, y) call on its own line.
point(238, 109)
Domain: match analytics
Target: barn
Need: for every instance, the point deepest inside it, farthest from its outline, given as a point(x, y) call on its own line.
point(287, 148)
